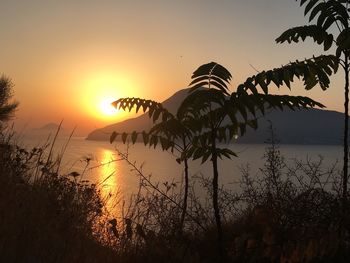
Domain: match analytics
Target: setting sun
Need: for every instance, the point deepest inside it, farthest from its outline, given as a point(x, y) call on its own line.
point(101, 89)
point(107, 108)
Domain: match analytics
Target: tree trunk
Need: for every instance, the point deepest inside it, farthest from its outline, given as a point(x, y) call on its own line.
point(184, 206)
point(346, 130)
point(220, 243)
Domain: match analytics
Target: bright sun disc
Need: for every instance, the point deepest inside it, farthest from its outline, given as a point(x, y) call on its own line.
point(107, 108)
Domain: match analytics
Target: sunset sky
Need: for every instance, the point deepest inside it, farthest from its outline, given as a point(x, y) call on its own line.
point(66, 57)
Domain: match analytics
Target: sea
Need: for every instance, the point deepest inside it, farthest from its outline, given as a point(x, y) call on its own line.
point(104, 164)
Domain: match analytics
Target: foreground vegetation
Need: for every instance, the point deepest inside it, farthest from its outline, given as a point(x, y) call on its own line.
point(46, 216)
point(284, 214)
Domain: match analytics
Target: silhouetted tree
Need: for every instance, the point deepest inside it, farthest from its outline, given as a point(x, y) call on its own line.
point(7, 108)
point(219, 116)
point(172, 133)
point(210, 115)
point(328, 14)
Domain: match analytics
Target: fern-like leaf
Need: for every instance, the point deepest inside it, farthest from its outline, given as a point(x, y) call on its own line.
point(211, 75)
point(327, 12)
point(155, 109)
point(317, 33)
point(312, 71)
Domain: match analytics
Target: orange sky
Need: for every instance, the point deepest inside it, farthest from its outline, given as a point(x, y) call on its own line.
point(65, 57)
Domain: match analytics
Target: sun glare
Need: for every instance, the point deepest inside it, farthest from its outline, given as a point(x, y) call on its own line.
point(107, 108)
point(100, 90)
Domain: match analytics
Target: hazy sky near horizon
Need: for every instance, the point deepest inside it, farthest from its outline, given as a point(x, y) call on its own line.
point(65, 57)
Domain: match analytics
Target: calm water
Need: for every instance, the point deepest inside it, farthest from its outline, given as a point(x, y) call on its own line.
point(113, 175)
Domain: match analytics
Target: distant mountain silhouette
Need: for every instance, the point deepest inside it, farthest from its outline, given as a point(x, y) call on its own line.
point(306, 126)
point(312, 126)
point(49, 128)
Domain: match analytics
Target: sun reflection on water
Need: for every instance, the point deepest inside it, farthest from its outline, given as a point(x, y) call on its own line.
point(108, 180)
